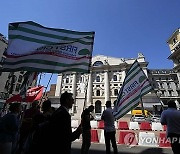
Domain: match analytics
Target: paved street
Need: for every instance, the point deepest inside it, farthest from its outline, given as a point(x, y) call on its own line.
point(97, 148)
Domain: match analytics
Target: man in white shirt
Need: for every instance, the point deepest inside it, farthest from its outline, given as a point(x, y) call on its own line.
point(171, 118)
point(109, 128)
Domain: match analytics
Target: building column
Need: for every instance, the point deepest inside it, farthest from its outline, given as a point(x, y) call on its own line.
point(107, 86)
point(89, 89)
point(59, 85)
point(178, 75)
point(145, 71)
point(177, 104)
point(123, 75)
point(74, 85)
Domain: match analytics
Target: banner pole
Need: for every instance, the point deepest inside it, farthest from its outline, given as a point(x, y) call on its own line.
point(159, 99)
point(142, 106)
point(40, 79)
point(46, 88)
point(87, 80)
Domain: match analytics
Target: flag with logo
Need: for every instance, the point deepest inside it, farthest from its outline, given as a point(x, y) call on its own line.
point(32, 94)
point(135, 85)
point(29, 77)
point(33, 47)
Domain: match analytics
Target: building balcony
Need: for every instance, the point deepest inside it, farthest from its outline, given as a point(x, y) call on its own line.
point(176, 51)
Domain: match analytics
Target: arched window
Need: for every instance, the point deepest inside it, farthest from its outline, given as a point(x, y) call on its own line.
point(115, 92)
point(98, 79)
point(98, 93)
point(98, 106)
point(114, 77)
point(98, 63)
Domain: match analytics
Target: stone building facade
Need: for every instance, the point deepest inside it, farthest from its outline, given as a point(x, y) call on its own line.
point(174, 46)
point(105, 80)
point(165, 84)
point(7, 77)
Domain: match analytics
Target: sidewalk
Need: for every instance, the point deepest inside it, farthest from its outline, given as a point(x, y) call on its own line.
point(97, 148)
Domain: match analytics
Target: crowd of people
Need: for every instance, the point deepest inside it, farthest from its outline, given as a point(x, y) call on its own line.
point(18, 126)
point(44, 129)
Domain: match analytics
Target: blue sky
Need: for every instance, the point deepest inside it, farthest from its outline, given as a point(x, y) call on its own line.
point(122, 27)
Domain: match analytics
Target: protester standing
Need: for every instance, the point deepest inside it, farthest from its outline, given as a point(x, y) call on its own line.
point(47, 109)
point(9, 127)
point(86, 117)
point(171, 118)
point(109, 128)
point(58, 135)
point(30, 120)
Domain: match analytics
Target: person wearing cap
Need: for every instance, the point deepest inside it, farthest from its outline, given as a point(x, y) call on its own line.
point(109, 128)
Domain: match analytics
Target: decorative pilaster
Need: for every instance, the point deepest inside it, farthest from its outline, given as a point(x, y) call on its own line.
point(74, 85)
point(58, 85)
point(177, 104)
point(107, 86)
point(123, 75)
point(89, 89)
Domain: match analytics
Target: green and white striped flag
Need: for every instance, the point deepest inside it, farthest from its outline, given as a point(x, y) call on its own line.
point(33, 47)
point(135, 85)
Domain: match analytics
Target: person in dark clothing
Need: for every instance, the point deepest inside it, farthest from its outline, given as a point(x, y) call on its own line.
point(9, 127)
point(171, 118)
point(32, 117)
point(86, 117)
point(47, 109)
point(109, 128)
point(58, 133)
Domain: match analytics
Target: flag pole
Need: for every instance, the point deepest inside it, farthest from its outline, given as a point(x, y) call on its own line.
point(40, 79)
point(158, 99)
point(46, 88)
point(87, 80)
point(142, 106)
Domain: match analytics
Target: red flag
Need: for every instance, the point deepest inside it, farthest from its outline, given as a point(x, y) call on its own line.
point(32, 94)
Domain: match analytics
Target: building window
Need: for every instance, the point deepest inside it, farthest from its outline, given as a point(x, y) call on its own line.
point(10, 75)
point(98, 93)
point(114, 77)
point(115, 92)
point(17, 87)
point(7, 85)
point(98, 79)
point(20, 78)
point(174, 41)
point(22, 72)
point(67, 80)
point(98, 63)
point(178, 93)
point(98, 106)
point(170, 93)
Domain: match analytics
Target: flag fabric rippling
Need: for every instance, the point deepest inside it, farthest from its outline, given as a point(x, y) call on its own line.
point(33, 47)
point(135, 85)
